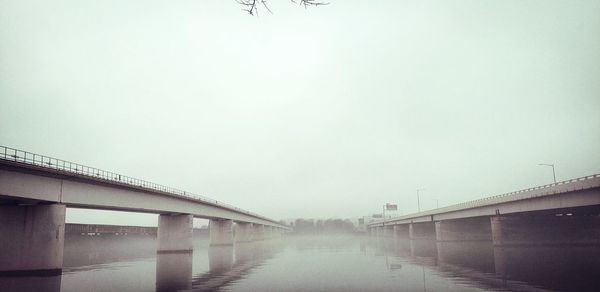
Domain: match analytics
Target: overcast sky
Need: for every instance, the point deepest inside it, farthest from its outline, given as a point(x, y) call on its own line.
point(325, 112)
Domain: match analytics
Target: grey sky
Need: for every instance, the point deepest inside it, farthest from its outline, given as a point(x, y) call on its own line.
point(326, 112)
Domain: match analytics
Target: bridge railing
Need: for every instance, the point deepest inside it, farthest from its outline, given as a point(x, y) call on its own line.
point(490, 200)
point(485, 200)
point(29, 158)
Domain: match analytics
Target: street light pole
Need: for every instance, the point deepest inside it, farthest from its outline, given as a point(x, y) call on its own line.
point(419, 200)
point(437, 203)
point(553, 172)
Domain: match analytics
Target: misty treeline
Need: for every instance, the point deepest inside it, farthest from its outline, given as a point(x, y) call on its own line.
point(311, 226)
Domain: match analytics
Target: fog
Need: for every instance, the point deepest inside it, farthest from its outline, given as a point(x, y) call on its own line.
point(326, 112)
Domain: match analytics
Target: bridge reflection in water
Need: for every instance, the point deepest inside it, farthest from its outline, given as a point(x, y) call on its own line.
point(227, 264)
point(120, 264)
point(506, 268)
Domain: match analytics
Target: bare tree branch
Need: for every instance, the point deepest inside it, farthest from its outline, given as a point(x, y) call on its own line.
point(251, 6)
point(307, 3)
point(248, 6)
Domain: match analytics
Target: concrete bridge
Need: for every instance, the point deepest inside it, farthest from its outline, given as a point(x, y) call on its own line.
point(35, 191)
point(563, 213)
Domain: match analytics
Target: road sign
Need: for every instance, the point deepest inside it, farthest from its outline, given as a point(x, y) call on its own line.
point(391, 207)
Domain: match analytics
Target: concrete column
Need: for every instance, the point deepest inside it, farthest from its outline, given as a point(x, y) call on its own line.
point(425, 230)
point(468, 229)
point(388, 230)
point(422, 239)
point(221, 232)
point(466, 242)
point(401, 231)
point(243, 232)
point(32, 238)
point(258, 232)
point(271, 232)
point(175, 233)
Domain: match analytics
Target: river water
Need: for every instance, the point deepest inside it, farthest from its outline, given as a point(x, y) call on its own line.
point(316, 263)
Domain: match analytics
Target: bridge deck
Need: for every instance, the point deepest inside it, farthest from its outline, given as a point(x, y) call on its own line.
point(28, 177)
point(578, 192)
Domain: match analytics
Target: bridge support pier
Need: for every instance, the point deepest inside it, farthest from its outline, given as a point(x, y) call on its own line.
point(422, 239)
point(468, 229)
point(221, 232)
point(379, 231)
point(418, 231)
point(258, 232)
point(32, 238)
point(243, 232)
point(271, 232)
point(175, 233)
point(546, 229)
point(401, 231)
point(465, 242)
point(388, 230)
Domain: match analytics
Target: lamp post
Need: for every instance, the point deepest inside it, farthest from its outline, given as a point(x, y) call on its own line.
point(419, 199)
point(437, 202)
point(553, 172)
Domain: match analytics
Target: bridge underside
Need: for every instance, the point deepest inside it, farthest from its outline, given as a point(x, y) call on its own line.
point(578, 226)
point(33, 236)
point(18, 186)
point(33, 206)
point(495, 244)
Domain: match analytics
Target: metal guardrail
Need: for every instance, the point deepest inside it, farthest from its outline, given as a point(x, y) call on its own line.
point(25, 157)
point(483, 201)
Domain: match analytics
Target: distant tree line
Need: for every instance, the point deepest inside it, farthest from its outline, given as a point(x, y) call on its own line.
point(311, 226)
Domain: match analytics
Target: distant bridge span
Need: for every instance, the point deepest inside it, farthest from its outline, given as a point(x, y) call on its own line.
point(563, 213)
point(578, 192)
point(36, 189)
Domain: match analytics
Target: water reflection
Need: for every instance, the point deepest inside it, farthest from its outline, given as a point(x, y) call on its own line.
point(173, 271)
point(220, 258)
point(499, 268)
point(30, 283)
point(478, 255)
point(83, 251)
point(423, 248)
point(228, 264)
point(334, 263)
point(560, 268)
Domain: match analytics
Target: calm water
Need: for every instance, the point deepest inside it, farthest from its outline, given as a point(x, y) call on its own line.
point(332, 263)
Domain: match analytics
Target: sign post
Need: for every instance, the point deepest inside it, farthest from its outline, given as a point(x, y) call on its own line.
point(389, 207)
